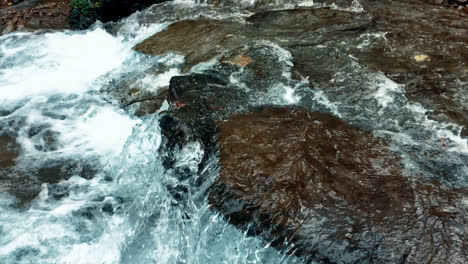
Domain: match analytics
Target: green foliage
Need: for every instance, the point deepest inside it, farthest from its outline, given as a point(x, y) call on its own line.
point(86, 7)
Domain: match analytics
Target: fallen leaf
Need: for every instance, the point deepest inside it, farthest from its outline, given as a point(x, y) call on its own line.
point(241, 60)
point(420, 58)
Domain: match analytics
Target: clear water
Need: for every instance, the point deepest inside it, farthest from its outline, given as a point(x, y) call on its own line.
point(124, 213)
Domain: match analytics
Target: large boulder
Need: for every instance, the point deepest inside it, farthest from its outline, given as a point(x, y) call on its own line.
point(307, 182)
point(329, 192)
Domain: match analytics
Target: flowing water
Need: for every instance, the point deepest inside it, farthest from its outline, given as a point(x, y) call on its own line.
point(122, 212)
point(85, 181)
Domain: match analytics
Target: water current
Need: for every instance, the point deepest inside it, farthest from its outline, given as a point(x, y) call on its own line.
point(88, 185)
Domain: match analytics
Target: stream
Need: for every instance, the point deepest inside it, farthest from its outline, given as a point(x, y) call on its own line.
point(82, 178)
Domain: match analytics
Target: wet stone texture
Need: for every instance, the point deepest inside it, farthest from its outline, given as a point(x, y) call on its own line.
point(9, 150)
point(107, 10)
point(439, 78)
point(61, 14)
point(307, 182)
point(196, 49)
point(129, 93)
point(328, 191)
point(33, 15)
point(200, 99)
point(421, 46)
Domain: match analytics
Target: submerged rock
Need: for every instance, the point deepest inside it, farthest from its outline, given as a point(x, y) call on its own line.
point(325, 42)
point(438, 81)
point(23, 177)
point(9, 150)
point(306, 182)
point(130, 94)
point(329, 192)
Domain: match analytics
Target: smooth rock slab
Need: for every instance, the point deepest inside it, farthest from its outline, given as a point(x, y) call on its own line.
point(326, 191)
point(197, 40)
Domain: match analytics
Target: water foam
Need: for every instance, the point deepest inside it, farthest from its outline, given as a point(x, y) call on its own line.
point(124, 214)
point(59, 62)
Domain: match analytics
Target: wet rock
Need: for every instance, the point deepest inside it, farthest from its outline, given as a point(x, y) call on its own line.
point(111, 10)
point(464, 132)
point(240, 60)
point(306, 182)
point(202, 40)
point(438, 81)
point(212, 94)
point(257, 66)
point(9, 28)
point(196, 102)
point(197, 40)
point(130, 93)
point(195, 121)
point(23, 178)
point(84, 13)
point(64, 14)
point(34, 15)
point(9, 150)
point(321, 41)
point(326, 191)
point(25, 183)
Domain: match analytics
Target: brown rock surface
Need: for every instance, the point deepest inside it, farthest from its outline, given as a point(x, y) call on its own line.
point(327, 191)
point(9, 150)
point(325, 42)
point(33, 15)
point(198, 40)
point(307, 182)
point(439, 82)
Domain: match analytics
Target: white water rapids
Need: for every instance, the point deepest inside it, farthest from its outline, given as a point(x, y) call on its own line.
point(124, 212)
